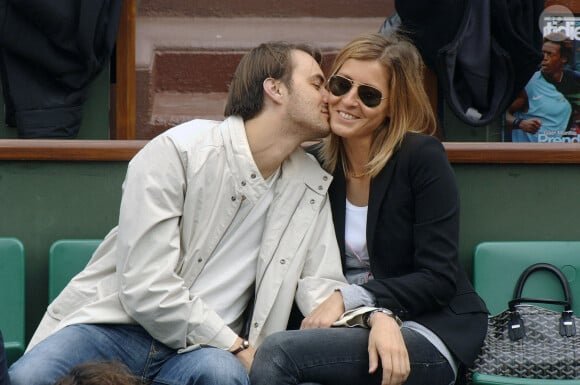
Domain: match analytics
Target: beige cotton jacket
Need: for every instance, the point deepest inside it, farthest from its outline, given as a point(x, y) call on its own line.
point(180, 194)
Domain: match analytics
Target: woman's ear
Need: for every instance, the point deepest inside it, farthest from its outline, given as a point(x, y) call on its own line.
point(272, 89)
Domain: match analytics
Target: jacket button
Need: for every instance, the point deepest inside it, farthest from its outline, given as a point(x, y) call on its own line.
point(312, 201)
point(282, 261)
point(233, 199)
point(256, 324)
point(243, 183)
point(200, 260)
point(325, 178)
point(253, 176)
point(320, 187)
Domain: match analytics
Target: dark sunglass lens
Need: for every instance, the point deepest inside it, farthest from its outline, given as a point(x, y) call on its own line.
point(370, 96)
point(339, 85)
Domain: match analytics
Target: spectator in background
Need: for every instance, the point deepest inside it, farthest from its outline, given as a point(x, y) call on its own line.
point(543, 111)
point(566, 80)
point(99, 373)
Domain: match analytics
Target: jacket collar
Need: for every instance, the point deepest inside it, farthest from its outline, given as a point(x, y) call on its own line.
point(248, 179)
point(299, 167)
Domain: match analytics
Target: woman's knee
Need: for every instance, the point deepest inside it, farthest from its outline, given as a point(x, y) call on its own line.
point(271, 361)
point(274, 345)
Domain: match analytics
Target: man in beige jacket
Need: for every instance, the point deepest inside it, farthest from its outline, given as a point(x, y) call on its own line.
point(213, 214)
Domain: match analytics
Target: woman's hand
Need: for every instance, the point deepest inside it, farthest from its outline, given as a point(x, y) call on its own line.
point(325, 313)
point(386, 343)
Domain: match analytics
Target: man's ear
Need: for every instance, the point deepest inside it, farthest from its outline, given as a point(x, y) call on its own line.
point(272, 89)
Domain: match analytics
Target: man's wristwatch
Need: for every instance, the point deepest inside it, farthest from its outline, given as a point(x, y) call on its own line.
point(368, 316)
point(245, 344)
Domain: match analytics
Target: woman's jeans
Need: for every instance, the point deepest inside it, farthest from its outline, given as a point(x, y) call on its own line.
point(147, 358)
point(339, 356)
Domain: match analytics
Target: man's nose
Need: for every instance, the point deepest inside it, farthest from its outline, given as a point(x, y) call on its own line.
point(325, 95)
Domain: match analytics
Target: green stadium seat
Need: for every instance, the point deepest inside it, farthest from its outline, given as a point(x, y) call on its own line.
point(12, 297)
point(498, 265)
point(486, 379)
point(67, 257)
point(496, 269)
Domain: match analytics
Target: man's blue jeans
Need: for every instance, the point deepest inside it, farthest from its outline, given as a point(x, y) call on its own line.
point(339, 356)
point(147, 358)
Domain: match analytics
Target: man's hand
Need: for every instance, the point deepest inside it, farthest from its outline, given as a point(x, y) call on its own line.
point(530, 126)
point(326, 313)
point(246, 356)
point(386, 343)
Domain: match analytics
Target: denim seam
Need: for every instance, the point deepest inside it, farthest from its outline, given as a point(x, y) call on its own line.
point(150, 357)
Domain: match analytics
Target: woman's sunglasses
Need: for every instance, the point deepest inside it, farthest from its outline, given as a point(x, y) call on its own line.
point(370, 96)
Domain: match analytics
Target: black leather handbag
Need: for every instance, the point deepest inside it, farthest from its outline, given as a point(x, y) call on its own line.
point(529, 341)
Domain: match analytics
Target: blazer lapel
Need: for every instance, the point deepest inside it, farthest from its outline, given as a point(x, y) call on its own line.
point(379, 186)
point(337, 192)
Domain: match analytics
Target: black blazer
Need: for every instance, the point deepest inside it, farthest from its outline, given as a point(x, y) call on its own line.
point(412, 237)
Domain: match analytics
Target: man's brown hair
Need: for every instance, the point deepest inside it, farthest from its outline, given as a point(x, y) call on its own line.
point(268, 60)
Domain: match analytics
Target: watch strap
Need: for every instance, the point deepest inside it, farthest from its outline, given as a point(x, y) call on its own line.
point(384, 311)
point(243, 346)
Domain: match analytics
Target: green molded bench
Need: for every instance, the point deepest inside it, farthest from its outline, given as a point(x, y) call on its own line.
point(66, 258)
point(497, 266)
point(496, 269)
point(12, 297)
point(487, 379)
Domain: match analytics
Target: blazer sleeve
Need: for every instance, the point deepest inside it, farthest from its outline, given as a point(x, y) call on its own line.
point(415, 256)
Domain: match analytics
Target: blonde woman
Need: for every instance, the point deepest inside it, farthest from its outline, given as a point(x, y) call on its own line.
point(396, 213)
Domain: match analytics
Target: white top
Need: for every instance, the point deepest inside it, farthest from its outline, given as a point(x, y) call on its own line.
point(355, 239)
point(229, 275)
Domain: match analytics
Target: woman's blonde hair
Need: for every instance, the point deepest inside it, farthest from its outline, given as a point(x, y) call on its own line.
point(409, 106)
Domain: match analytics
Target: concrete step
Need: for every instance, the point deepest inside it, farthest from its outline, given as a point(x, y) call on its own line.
point(173, 108)
point(184, 65)
point(266, 8)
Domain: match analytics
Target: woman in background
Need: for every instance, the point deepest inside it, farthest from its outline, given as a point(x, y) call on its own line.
point(396, 212)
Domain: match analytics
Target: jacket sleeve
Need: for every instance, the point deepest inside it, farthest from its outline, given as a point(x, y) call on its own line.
point(149, 243)
point(428, 279)
point(322, 271)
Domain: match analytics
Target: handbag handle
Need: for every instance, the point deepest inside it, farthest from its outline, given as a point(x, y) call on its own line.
point(517, 299)
point(516, 324)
